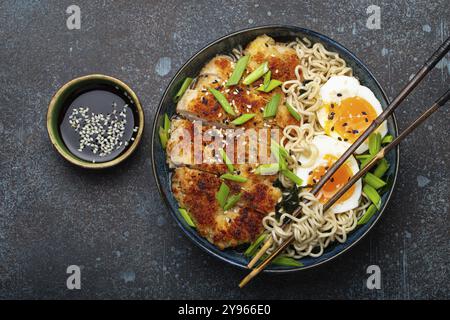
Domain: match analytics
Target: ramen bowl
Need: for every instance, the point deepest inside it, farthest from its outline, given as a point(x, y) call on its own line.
point(192, 67)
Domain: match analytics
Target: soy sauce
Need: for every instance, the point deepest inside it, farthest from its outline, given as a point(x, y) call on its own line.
point(98, 123)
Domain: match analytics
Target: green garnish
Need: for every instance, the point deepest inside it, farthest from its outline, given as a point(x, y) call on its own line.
point(233, 177)
point(267, 169)
point(250, 252)
point(374, 143)
point(272, 85)
point(166, 123)
point(368, 214)
point(373, 195)
point(223, 101)
point(374, 181)
point(363, 157)
point(267, 79)
point(183, 88)
point(231, 201)
point(271, 108)
point(293, 112)
point(387, 139)
point(222, 194)
point(286, 261)
point(243, 119)
point(227, 160)
point(381, 168)
point(292, 176)
point(257, 73)
point(186, 217)
point(163, 137)
point(279, 149)
point(238, 71)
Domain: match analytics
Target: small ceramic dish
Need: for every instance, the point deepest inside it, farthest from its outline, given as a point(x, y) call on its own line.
point(64, 97)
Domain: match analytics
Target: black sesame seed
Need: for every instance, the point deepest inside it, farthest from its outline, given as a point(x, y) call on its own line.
point(332, 128)
point(364, 113)
point(366, 120)
point(339, 95)
point(345, 139)
point(332, 179)
point(345, 124)
point(339, 138)
point(355, 131)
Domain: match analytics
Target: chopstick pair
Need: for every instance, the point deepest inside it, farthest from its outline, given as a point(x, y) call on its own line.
point(423, 71)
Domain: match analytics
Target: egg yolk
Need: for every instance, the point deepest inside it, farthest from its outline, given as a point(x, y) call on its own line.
point(336, 182)
point(350, 118)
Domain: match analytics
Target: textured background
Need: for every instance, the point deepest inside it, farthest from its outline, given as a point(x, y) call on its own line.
point(114, 223)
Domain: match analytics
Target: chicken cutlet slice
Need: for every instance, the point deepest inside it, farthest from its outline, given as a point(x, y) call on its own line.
point(196, 191)
point(282, 59)
point(194, 144)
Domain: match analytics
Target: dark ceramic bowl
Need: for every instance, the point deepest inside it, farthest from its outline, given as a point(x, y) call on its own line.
point(191, 69)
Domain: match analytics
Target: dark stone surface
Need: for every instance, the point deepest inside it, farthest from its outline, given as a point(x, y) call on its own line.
point(115, 225)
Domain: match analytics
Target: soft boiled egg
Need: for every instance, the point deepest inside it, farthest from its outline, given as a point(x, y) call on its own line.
point(348, 109)
point(329, 150)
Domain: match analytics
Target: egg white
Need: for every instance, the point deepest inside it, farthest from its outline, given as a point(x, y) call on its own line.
point(347, 87)
point(326, 145)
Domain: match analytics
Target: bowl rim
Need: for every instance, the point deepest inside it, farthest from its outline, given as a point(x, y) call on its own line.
point(72, 158)
point(288, 28)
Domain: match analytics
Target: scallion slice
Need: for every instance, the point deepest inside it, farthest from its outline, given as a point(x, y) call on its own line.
point(381, 168)
point(387, 139)
point(238, 71)
point(374, 181)
point(222, 194)
point(272, 85)
point(293, 112)
point(267, 169)
point(373, 195)
point(186, 217)
point(183, 88)
point(367, 215)
point(257, 73)
point(223, 101)
point(286, 261)
point(365, 161)
point(292, 176)
point(250, 252)
point(166, 123)
point(279, 149)
point(163, 137)
point(243, 119)
point(233, 177)
point(227, 160)
point(374, 143)
point(231, 201)
point(267, 79)
point(271, 108)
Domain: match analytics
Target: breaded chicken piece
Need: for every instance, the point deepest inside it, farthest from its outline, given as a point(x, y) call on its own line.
point(193, 144)
point(196, 191)
point(282, 59)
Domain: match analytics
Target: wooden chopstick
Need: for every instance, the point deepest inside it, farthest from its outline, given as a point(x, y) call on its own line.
point(440, 102)
point(423, 71)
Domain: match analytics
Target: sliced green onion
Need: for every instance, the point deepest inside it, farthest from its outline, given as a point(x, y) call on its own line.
point(267, 79)
point(223, 101)
point(271, 108)
point(186, 217)
point(232, 201)
point(267, 169)
point(183, 88)
point(257, 73)
point(374, 181)
point(293, 112)
point(238, 71)
point(381, 168)
point(243, 119)
point(277, 148)
point(364, 162)
point(233, 177)
point(286, 261)
point(227, 160)
point(292, 176)
point(166, 123)
point(222, 194)
point(250, 252)
point(374, 143)
point(163, 136)
point(272, 85)
point(362, 156)
point(368, 214)
point(387, 139)
point(373, 195)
